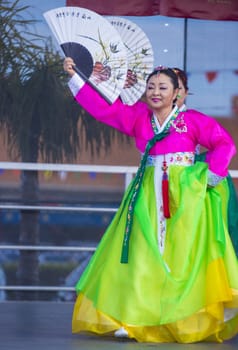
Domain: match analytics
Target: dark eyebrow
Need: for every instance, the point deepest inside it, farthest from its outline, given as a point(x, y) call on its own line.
point(160, 83)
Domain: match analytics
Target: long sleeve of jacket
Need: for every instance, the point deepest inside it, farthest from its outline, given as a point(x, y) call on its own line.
point(135, 121)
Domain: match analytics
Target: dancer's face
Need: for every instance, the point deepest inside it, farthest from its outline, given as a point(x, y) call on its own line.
point(160, 92)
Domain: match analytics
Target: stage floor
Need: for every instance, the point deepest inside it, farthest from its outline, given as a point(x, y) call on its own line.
point(47, 326)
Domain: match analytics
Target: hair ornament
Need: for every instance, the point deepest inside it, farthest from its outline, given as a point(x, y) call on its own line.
point(159, 68)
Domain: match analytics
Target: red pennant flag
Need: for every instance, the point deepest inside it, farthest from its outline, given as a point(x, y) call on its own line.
point(211, 76)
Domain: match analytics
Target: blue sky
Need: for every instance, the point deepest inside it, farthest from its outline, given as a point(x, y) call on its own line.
point(210, 47)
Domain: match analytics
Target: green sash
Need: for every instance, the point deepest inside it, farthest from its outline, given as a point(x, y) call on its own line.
point(136, 184)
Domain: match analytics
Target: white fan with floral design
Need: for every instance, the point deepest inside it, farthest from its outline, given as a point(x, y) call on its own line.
point(94, 44)
point(140, 58)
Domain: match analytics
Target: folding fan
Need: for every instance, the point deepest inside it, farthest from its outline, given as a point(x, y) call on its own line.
point(140, 58)
point(95, 46)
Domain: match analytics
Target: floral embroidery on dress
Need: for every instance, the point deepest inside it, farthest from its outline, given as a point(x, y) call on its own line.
point(179, 124)
point(178, 158)
point(182, 158)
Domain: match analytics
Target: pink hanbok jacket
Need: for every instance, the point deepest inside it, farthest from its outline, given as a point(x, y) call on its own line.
point(190, 129)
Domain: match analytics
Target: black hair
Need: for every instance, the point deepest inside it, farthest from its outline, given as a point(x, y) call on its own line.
point(167, 71)
point(182, 76)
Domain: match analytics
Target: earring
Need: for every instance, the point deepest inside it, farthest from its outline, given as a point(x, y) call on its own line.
point(178, 96)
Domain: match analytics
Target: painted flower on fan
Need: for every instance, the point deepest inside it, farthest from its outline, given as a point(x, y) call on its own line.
point(100, 73)
point(131, 79)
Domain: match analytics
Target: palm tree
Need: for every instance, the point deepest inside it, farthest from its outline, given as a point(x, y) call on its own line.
point(40, 126)
point(34, 112)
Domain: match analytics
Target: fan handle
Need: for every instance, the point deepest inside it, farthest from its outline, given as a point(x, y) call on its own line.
point(83, 76)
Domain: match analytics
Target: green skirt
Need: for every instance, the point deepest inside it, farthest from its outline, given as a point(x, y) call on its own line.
point(187, 294)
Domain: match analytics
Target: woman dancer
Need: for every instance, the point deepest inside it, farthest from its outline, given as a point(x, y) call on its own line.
point(165, 269)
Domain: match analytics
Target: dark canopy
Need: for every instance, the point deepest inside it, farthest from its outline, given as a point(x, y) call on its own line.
point(199, 9)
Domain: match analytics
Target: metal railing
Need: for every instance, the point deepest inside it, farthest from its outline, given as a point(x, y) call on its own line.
point(128, 172)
